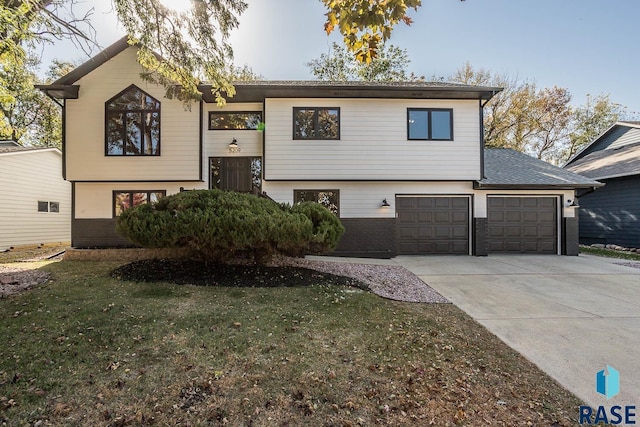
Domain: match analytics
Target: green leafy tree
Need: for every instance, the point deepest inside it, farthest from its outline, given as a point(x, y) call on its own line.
point(339, 65)
point(592, 119)
point(366, 24)
point(27, 116)
point(192, 46)
point(243, 74)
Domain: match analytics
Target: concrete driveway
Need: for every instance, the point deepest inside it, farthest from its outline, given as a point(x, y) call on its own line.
point(571, 316)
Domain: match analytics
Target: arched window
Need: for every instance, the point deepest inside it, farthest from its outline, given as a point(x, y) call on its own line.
point(132, 124)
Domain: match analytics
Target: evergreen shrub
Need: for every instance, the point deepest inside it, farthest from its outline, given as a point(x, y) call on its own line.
point(219, 225)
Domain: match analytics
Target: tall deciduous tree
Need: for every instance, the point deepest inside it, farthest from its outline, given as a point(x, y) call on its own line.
point(366, 24)
point(193, 45)
point(592, 119)
point(27, 116)
point(540, 122)
point(339, 65)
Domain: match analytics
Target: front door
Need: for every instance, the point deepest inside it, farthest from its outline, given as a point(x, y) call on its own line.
point(242, 174)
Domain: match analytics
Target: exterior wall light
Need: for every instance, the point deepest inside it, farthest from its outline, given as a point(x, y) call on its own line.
point(233, 146)
point(385, 204)
point(573, 203)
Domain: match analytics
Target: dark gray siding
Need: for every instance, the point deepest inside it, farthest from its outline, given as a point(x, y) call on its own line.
point(611, 214)
point(368, 238)
point(96, 233)
point(480, 234)
point(617, 137)
point(570, 236)
point(363, 237)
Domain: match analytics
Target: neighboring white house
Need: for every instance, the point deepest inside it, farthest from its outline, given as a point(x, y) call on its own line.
point(402, 164)
point(36, 200)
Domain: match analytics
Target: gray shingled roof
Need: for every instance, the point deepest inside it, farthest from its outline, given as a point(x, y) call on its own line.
point(506, 168)
point(610, 163)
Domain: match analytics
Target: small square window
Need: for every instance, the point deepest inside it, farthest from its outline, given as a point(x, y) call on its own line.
point(54, 206)
point(43, 206)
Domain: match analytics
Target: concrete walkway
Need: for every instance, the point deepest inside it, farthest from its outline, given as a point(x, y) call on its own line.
point(571, 316)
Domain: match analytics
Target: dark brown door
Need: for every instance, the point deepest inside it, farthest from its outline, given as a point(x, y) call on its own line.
point(433, 225)
point(523, 224)
point(242, 174)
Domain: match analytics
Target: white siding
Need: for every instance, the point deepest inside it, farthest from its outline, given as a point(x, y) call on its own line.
point(95, 200)
point(373, 142)
point(85, 124)
point(216, 142)
point(26, 178)
point(364, 199)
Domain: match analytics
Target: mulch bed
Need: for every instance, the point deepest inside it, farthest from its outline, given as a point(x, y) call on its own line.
point(191, 272)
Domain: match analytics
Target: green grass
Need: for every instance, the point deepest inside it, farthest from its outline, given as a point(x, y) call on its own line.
point(609, 253)
point(87, 349)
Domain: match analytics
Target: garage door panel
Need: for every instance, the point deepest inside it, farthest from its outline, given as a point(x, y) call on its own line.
point(440, 224)
point(497, 216)
point(546, 217)
point(512, 202)
point(405, 202)
point(425, 232)
point(424, 217)
point(459, 218)
point(547, 247)
point(546, 231)
point(522, 224)
point(513, 216)
point(547, 202)
point(460, 232)
point(424, 202)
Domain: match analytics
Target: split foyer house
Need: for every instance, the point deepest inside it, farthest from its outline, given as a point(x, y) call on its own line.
point(402, 164)
point(36, 201)
point(611, 215)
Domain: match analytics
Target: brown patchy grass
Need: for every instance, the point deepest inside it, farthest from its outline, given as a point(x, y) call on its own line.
point(30, 252)
point(88, 349)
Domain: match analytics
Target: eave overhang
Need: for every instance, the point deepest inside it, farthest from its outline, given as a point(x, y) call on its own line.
point(57, 91)
point(258, 92)
point(479, 186)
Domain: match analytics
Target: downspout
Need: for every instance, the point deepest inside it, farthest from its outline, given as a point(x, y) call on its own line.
point(482, 142)
point(201, 140)
point(64, 139)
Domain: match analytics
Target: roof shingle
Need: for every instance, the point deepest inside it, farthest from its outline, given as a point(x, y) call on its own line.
point(507, 168)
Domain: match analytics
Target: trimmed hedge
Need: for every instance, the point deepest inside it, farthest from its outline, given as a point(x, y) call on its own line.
point(219, 225)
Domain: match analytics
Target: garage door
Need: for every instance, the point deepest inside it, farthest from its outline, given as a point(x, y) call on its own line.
point(433, 225)
point(523, 224)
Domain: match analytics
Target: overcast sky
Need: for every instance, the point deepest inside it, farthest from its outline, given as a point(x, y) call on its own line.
point(586, 46)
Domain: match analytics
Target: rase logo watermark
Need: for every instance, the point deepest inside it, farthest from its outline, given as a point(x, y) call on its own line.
point(608, 385)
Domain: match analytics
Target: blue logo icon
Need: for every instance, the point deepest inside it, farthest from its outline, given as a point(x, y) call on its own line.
point(608, 383)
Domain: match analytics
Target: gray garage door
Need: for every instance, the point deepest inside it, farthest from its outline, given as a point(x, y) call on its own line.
point(433, 225)
point(523, 224)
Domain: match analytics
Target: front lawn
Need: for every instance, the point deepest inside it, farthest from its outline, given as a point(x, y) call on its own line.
point(90, 349)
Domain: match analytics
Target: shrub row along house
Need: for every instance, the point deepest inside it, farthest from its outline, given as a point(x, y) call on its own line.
point(402, 164)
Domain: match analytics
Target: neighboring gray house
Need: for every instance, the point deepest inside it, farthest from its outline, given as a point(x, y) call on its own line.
point(611, 215)
point(402, 164)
